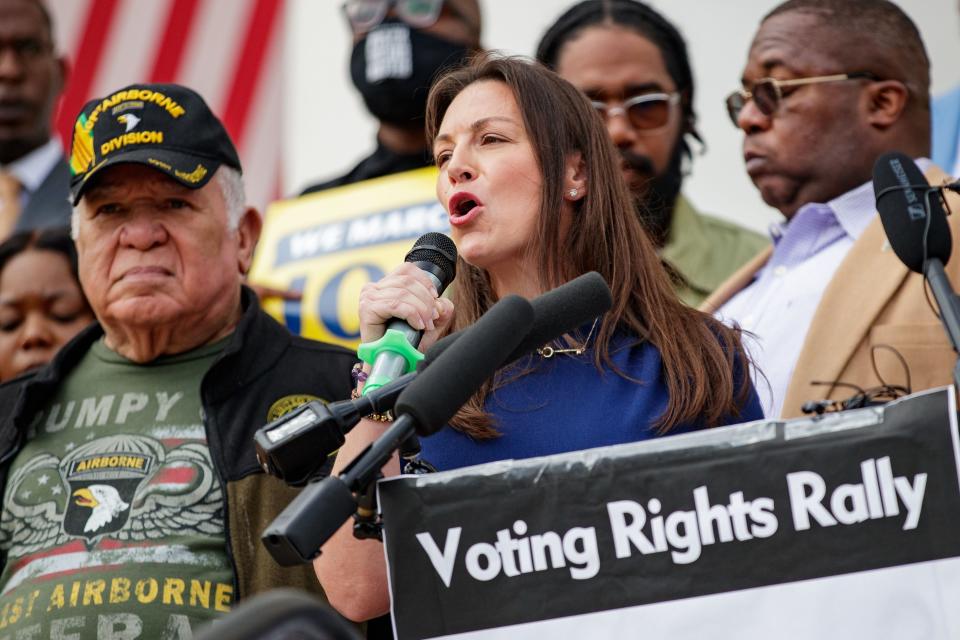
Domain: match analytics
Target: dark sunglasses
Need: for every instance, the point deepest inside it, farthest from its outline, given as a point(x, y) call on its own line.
point(648, 112)
point(768, 92)
point(364, 15)
point(27, 49)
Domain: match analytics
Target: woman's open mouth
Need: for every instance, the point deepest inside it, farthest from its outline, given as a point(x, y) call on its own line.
point(463, 207)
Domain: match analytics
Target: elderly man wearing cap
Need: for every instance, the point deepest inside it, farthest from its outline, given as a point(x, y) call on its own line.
point(134, 501)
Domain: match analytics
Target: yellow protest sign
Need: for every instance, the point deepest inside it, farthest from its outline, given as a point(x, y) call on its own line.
point(329, 244)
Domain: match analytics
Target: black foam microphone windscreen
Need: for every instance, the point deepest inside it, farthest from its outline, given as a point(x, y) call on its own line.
point(436, 254)
point(902, 195)
point(442, 388)
point(564, 309)
point(556, 312)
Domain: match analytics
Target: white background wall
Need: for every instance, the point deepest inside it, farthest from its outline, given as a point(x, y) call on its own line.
point(327, 128)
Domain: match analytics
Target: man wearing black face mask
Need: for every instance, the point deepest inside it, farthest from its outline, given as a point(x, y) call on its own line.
point(632, 64)
point(399, 46)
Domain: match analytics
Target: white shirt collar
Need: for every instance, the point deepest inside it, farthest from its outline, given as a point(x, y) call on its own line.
point(32, 169)
point(855, 209)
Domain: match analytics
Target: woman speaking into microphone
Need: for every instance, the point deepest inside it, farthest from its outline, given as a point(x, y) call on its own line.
point(535, 196)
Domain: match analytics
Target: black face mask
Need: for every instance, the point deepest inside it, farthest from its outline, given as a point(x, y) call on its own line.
point(392, 68)
point(655, 204)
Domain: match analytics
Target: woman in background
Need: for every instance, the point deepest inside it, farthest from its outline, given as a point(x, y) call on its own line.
point(531, 183)
point(41, 304)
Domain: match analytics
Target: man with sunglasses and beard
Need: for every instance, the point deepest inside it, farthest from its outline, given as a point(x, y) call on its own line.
point(829, 87)
point(399, 46)
point(632, 63)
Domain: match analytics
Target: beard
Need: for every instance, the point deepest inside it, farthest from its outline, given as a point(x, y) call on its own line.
point(655, 196)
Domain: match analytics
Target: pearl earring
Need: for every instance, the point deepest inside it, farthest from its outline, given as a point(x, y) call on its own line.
point(573, 193)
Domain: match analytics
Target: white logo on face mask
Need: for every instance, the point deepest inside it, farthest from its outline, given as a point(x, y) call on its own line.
point(389, 53)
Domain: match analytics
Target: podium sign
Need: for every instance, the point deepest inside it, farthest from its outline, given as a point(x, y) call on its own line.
point(842, 527)
point(329, 244)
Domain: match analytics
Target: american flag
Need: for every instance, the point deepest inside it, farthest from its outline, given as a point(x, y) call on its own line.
point(229, 51)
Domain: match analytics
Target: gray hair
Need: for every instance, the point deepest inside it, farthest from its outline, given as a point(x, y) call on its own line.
point(231, 186)
point(234, 196)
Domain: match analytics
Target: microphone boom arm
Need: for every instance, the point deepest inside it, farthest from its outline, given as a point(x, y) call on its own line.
point(949, 305)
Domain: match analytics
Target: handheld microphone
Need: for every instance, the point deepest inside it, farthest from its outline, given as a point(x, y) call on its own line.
point(910, 210)
point(297, 534)
point(395, 353)
point(917, 229)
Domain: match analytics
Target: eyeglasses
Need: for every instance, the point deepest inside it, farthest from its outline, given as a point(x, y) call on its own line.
point(768, 92)
point(364, 15)
point(648, 112)
point(27, 49)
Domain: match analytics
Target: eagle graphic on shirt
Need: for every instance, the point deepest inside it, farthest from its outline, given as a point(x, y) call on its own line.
point(127, 487)
point(105, 504)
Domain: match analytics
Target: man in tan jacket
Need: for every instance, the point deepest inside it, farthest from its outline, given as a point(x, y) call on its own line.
point(829, 86)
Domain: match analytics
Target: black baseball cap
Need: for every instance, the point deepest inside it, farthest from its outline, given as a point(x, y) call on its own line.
point(165, 126)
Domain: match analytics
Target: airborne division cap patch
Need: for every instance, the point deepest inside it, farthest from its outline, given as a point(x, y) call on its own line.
point(164, 126)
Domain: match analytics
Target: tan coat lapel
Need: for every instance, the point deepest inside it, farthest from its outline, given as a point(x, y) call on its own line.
point(736, 282)
point(866, 281)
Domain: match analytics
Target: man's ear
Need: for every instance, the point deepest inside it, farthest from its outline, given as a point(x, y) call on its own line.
point(248, 233)
point(574, 177)
point(63, 73)
point(58, 82)
point(886, 101)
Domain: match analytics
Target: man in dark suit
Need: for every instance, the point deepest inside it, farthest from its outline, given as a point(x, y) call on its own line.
point(34, 178)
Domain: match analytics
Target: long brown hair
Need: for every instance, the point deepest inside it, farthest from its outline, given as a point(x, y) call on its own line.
point(698, 352)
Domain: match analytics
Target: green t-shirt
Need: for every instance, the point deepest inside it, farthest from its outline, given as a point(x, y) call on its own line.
point(706, 250)
point(113, 522)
